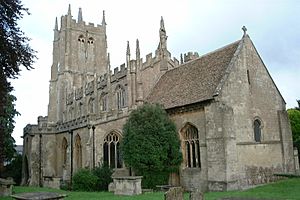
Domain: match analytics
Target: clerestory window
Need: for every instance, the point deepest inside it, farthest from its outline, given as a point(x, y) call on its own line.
point(121, 97)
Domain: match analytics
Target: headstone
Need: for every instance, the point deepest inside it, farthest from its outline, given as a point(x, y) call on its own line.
point(174, 193)
point(111, 187)
point(6, 186)
point(196, 195)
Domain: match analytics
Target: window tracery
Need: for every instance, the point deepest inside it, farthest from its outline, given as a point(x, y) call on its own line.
point(191, 146)
point(111, 150)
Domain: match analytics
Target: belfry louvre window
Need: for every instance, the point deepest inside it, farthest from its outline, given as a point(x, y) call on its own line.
point(111, 150)
point(190, 146)
point(257, 130)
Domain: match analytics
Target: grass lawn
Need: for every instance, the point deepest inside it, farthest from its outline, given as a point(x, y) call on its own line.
point(285, 189)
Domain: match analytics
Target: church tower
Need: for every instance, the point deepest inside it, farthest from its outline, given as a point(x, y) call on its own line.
point(79, 54)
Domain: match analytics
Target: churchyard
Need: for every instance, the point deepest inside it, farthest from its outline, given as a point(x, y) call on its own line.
point(284, 189)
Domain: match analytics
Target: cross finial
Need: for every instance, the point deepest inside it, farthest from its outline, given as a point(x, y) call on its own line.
point(245, 30)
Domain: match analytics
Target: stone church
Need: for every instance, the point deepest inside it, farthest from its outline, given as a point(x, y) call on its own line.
point(230, 116)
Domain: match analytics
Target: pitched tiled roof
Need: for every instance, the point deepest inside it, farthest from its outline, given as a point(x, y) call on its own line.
point(194, 81)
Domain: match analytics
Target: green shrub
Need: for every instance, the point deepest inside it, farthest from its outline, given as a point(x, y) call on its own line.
point(84, 180)
point(103, 173)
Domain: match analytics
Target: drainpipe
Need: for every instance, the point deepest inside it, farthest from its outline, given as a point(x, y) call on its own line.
point(71, 167)
point(40, 161)
point(93, 127)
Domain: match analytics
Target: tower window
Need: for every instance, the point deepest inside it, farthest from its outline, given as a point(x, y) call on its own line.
point(91, 40)
point(81, 38)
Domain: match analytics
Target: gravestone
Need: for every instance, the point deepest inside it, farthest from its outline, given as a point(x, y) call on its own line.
point(174, 193)
point(6, 186)
point(196, 195)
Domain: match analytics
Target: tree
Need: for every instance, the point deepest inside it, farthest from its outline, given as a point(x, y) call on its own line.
point(294, 116)
point(151, 145)
point(14, 52)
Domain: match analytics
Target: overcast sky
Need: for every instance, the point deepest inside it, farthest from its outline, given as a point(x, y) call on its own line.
point(191, 25)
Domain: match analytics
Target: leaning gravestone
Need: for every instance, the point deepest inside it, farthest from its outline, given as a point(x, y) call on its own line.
point(174, 193)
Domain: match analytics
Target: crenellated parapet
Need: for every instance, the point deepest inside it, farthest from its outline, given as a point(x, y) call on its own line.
point(151, 61)
point(190, 56)
point(119, 73)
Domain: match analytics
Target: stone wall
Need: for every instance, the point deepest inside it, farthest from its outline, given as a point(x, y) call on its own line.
point(193, 177)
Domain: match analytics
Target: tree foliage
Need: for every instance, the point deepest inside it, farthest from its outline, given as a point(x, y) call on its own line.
point(294, 116)
point(151, 145)
point(14, 169)
point(14, 52)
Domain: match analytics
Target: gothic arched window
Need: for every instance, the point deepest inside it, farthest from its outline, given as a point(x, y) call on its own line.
point(111, 150)
point(190, 146)
point(78, 151)
point(257, 130)
point(64, 151)
point(121, 97)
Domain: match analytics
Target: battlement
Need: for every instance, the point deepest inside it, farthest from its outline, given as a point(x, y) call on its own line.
point(118, 74)
point(81, 25)
point(150, 60)
point(68, 21)
point(190, 56)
